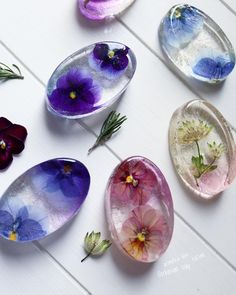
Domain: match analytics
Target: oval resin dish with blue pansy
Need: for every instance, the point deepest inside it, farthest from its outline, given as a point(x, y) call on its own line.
point(196, 45)
point(90, 80)
point(43, 199)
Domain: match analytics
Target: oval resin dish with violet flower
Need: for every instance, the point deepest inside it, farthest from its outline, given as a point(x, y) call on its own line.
point(90, 80)
point(139, 209)
point(102, 9)
point(195, 44)
point(202, 148)
point(43, 199)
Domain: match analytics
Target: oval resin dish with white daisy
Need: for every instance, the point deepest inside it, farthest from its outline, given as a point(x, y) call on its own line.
point(139, 209)
point(195, 44)
point(90, 80)
point(202, 148)
point(43, 199)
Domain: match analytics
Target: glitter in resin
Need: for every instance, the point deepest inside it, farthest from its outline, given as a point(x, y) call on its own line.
point(196, 45)
point(202, 148)
point(139, 209)
point(90, 80)
point(43, 199)
point(101, 9)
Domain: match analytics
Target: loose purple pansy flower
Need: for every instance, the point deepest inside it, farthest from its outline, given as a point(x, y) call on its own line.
point(71, 178)
point(112, 62)
point(12, 138)
point(76, 93)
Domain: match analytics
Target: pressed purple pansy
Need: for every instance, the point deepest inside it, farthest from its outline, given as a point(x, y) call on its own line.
point(101, 9)
point(71, 178)
point(12, 138)
point(111, 61)
point(75, 94)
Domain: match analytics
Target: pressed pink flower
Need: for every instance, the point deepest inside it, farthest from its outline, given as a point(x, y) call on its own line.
point(133, 182)
point(144, 233)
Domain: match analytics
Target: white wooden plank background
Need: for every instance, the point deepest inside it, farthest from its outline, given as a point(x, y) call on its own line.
point(202, 256)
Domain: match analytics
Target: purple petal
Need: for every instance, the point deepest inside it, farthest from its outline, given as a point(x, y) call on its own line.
point(5, 158)
point(4, 123)
point(100, 51)
point(30, 229)
point(120, 62)
point(23, 213)
point(6, 221)
point(17, 131)
point(14, 145)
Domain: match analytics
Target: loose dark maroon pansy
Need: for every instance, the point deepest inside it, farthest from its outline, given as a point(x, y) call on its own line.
point(12, 138)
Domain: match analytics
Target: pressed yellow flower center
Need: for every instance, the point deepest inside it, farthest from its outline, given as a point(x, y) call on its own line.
point(131, 180)
point(73, 95)
point(111, 53)
point(141, 237)
point(67, 168)
point(3, 145)
point(177, 13)
point(12, 236)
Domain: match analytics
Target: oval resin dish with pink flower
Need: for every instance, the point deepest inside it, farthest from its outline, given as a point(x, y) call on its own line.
point(202, 148)
point(90, 80)
point(43, 199)
point(102, 9)
point(139, 209)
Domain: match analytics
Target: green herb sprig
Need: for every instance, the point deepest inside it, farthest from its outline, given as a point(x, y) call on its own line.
point(7, 73)
point(110, 126)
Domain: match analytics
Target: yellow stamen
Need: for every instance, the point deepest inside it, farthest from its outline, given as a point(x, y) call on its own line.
point(177, 13)
point(3, 145)
point(73, 95)
point(12, 236)
point(67, 168)
point(141, 237)
point(111, 53)
point(131, 180)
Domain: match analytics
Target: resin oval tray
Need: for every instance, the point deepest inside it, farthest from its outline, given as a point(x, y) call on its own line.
point(102, 9)
point(43, 199)
point(202, 148)
point(139, 209)
point(90, 80)
point(195, 44)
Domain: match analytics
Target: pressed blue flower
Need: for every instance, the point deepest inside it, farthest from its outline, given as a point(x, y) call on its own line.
point(214, 68)
point(71, 178)
point(76, 93)
point(182, 25)
point(20, 226)
point(112, 62)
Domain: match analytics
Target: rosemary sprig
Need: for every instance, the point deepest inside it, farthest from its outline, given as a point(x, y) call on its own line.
point(110, 126)
point(8, 73)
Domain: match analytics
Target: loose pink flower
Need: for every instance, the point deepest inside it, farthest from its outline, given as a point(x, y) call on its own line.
point(144, 234)
point(133, 182)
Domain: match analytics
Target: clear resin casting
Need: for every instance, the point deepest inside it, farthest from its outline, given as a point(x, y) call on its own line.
point(43, 199)
point(195, 44)
point(202, 148)
point(139, 209)
point(90, 80)
point(101, 9)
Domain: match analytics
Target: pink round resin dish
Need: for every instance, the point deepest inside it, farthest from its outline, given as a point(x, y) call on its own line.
point(202, 148)
point(139, 209)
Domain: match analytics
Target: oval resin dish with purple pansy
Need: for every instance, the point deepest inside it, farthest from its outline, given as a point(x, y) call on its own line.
point(43, 199)
point(195, 44)
point(139, 209)
point(102, 9)
point(90, 80)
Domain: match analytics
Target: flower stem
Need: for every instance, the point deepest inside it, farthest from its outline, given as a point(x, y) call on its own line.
point(198, 149)
point(89, 253)
point(86, 256)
